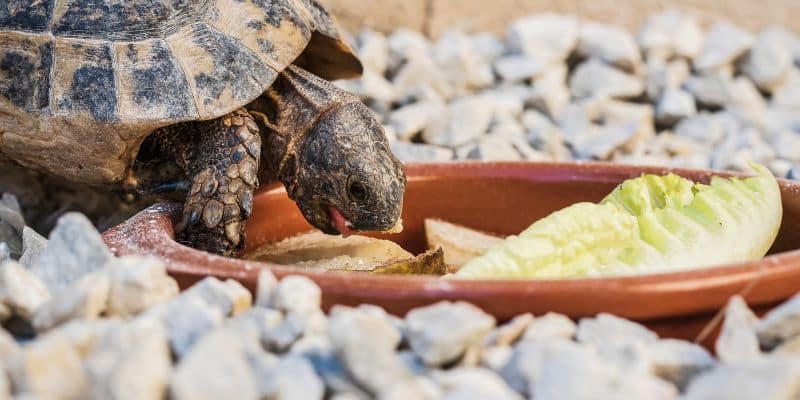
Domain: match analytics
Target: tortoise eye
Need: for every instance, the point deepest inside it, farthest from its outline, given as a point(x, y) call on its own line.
point(357, 191)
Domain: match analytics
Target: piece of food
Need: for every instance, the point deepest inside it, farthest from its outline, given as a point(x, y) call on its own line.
point(315, 247)
point(354, 253)
point(460, 244)
point(429, 263)
point(647, 224)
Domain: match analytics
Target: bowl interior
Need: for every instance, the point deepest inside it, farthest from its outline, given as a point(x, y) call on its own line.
point(502, 199)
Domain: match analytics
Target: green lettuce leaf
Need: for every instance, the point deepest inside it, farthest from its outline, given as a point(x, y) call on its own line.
point(647, 224)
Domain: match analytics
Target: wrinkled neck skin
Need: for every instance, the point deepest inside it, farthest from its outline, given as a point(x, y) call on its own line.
point(318, 141)
point(290, 108)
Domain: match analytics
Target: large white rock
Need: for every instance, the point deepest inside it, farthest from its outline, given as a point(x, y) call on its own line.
point(787, 95)
point(518, 67)
point(546, 37)
point(724, 43)
point(216, 368)
point(420, 152)
point(86, 298)
point(473, 383)
point(611, 44)
point(550, 94)
point(768, 378)
point(442, 332)
point(590, 377)
point(131, 362)
point(137, 284)
point(487, 46)
point(229, 296)
point(20, 290)
point(419, 73)
point(595, 78)
point(75, 249)
point(466, 70)
point(296, 293)
point(405, 45)
point(770, 60)
point(675, 105)
point(466, 119)
point(550, 326)
point(737, 340)
point(366, 346)
point(373, 51)
point(661, 76)
point(51, 368)
point(413, 118)
point(671, 33)
point(780, 324)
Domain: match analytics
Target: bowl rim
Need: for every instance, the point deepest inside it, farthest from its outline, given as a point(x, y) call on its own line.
point(150, 232)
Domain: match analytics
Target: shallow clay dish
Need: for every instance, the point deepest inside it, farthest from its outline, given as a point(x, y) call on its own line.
point(502, 198)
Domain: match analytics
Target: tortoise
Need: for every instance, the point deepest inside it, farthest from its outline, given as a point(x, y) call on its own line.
point(200, 100)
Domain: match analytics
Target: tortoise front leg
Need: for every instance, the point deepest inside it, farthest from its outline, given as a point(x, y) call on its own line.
point(220, 159)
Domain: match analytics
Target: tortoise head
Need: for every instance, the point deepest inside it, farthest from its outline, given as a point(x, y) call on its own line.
point(346, 177)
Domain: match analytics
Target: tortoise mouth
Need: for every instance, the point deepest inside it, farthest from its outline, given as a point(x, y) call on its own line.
point(338, 222)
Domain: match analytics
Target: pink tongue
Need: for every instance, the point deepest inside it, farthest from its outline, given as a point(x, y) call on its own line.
point(339, 222)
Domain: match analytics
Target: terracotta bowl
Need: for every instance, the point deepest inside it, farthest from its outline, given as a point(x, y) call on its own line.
point(503, 198)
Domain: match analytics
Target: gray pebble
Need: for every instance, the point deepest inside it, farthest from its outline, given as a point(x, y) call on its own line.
point(546, 37)
point(766, 378)
point(75, 249)
point(418, 152)
point(594, 78)
point(550, 326)
point(442, 332)
point(215, 368)
point(671, 33)
point(267, 283)
point(611, 44)
point(770, 60)
point(678, 361)
point(32, 246)
point(296, 293)
point(780, 324)
point(366, 345)
point(737, 340)
point(723, 44)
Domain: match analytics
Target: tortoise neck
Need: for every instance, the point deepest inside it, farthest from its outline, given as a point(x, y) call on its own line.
point(291, 108)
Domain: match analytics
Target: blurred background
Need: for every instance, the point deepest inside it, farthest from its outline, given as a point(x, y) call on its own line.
point(698, 84)
point(437, 16)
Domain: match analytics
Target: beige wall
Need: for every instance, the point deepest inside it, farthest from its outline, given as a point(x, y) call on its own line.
point(436, 16)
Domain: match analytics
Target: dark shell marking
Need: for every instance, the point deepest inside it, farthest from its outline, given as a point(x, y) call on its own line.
point(24, 15)
point(126, 19)
point(158, 84)
point(92, 87)
point(32, 60)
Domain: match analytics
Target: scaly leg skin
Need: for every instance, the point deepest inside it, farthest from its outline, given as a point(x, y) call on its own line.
point(220, 159)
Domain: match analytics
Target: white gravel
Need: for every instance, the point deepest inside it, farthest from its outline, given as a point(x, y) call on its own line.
point(432, 94)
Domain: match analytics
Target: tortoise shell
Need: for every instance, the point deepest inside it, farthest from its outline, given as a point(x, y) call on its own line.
point(83, 82)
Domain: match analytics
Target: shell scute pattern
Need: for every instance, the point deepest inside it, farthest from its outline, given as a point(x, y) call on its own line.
point(84, 79)
point(152, 82)
point(223, 74)
point(24, 15)
point(273, 29)
point(125, 19)
point(30, 56)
